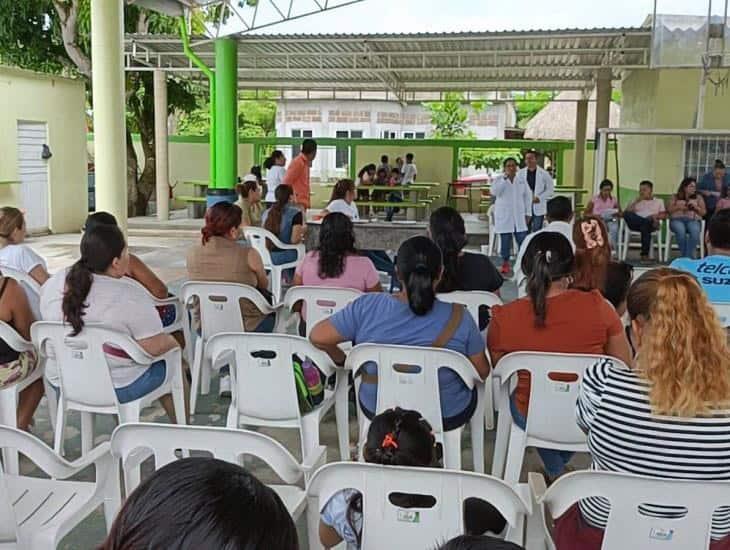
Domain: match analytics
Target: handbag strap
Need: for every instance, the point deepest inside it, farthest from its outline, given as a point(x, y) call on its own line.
point(457, 312)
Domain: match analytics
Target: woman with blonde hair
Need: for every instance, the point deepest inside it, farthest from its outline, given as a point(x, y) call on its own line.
point(13, 253)
point(667, 415)
point(592, 253)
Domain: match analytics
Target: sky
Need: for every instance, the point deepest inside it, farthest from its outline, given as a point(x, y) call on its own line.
point(410, 16)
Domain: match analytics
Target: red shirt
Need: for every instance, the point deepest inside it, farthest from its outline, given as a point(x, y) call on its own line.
point(297, 176)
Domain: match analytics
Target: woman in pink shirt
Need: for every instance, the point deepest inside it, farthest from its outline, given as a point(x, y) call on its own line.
point(606, 206)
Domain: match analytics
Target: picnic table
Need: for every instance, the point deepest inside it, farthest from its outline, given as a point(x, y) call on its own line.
point(197, 201)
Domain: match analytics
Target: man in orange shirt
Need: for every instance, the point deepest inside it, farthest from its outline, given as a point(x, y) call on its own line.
point(297, 175)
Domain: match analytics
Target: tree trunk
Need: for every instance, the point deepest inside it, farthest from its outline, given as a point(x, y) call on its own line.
point(132, 166)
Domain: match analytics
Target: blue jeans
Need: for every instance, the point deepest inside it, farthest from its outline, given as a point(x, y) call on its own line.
point(554, 461)
point(390, 212)
point(279, 257)
point(612, 227)
point(687, 233)
point(505, 243)
point(536, 223)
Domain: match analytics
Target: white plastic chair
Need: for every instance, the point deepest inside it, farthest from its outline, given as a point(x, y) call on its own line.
point(36, 513)
point(257, 237)
point(473, 300)
point(163, 440)
point(10, 395)
point(408, 378)
point(320, 303)
point(263, 388)
point(670, 236)
point(550, 422)
point(220, 311)
point(494, 238)
point(86, 383)
point(174, 301)
point(723, 313)
point(657, 240)
point(627, 527)
point(30, 286)
point(385, 525)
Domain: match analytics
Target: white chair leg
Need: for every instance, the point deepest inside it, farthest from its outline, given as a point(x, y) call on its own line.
point(489, 403)
point(52, 401)
point(452, 449)
point(342, 414)
point(276, 275)
point(476, 429)
point(310, 432)
point(60, 428)
point(87, 432)
point(205, 374)
point(501, 441)
point(9, 417)
point(178, 401)
point(515, 455)
point(195, 374)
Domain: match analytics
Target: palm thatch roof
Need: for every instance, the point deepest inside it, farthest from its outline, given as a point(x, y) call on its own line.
point(557, 119)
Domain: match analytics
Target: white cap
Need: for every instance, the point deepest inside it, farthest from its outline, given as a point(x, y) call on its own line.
point(249, 177)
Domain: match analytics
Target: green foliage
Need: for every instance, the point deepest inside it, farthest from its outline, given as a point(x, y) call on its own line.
point(529, 105)
point(486, 159)
point(450, 118)
point(256, 117)
point(616, 96)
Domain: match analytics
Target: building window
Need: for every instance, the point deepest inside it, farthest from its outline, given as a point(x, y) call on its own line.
point(700, 154)
point(388, 134)
point(414, 135)
point(295, 149)
point(342, 154)
point(420, 135)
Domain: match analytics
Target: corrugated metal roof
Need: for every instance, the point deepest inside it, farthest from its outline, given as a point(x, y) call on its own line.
point(403, 64)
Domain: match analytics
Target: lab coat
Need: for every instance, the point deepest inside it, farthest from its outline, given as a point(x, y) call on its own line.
point(544, 187)
point(513, 202)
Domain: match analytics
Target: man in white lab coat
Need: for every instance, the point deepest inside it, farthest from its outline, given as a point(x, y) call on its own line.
point(541, 185)
point(512, 210)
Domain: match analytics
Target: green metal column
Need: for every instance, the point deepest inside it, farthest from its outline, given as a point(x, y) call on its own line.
point(226, 120)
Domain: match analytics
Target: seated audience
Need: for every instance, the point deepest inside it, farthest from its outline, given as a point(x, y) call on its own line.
point(17, 366)
point(274, 175)
point(666, 416)
point(713, 186)
point(93, 290)
point(13, 253)
point(618, 281)
point(413, 317)
point(396, 437)
point(202, 502)
point(606, 206)
point(686, 211)
point(286, 221)
point(713, 271)
point(559, 217)
point(475, 542)
point(553, 317)
point(343, 200)
point(249, 200)
point(592, 253)
point(462, 270)
point(644, 214)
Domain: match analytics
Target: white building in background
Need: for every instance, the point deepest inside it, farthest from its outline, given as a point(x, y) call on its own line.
point(301, 118)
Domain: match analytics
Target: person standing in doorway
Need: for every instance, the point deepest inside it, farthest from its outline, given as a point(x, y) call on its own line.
point(512, 209)
point(297, 175)
point(541, 185)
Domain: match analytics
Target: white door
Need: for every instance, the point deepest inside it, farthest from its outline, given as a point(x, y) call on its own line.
point(33, 173)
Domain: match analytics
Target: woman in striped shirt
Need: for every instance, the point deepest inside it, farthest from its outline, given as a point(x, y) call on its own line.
point(669, 415)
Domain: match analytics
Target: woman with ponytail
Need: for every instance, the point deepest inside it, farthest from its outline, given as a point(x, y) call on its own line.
point(275, 171)
point(592, 253)
point(553, 317)
point(462, 270)
point(397, 437)
point(93, 290)
point(664, 416)
point(286, 221)
point(413, 317)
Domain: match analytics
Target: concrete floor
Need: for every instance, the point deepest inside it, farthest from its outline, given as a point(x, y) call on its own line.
point(164, 250)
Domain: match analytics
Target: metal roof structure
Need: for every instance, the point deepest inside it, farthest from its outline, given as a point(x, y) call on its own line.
point(410, 67)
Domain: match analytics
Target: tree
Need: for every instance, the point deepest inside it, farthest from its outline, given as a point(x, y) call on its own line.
point(450, 118)
point(531, 103)
point(54, 36)
point(256, 117)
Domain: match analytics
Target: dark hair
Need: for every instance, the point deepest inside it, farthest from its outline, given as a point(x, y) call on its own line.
point(531, 152)
point(309, 146)
point(99, 248)
point(647, 183)
point(718, 229)
point(220, 219)
point(256, 171)
point(409, 157)
point(384, 159)
point(559, 209)
point(682, 190)
point(395, 169)
point(419, 265)
point(719, 164)
point(282, 195)
point(476, 542)
point(606, 183)
point(548, 257)
point(447, 230)
point(382, 171)
point(336, 241)
point(202, 502)
point(339, 191)
point(273, 157)
point(366, 168)
point(247, 187)
point(508, 159)
point(99, 218)
point(618, 281)
point(592, 252)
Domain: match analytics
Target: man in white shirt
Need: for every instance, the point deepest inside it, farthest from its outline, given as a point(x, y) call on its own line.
point(559, 216)
point(409, 170)
point(542, 187)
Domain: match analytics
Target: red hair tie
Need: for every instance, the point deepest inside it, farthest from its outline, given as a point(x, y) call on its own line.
point(389, 441)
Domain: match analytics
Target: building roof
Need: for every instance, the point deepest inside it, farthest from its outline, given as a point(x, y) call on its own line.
point(557, 119)
point(411, 67)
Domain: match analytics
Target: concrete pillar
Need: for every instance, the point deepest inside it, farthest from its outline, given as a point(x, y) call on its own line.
point(603, 99)
point(581, 122)
point(226, 117)
point(107, 81)
point(161, 149)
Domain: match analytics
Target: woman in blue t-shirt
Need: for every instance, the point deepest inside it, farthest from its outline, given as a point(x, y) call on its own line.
point(413, 317)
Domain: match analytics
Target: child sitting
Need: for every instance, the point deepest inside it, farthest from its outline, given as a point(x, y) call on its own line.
point(394, 177)
point(396, 437)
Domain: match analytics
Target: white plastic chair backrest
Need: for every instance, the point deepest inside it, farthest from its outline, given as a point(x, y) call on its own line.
point(8, 521)
point(257, 236)
point(472, 300)
point(320, 301)
point(222, 443)
point(82, 364)
point(627, 527)
point(388, 526)
point(408, 376)
point(220, 309)
point(30, 286)
point(551, 415)
point(263, 375)
point(723, 313)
